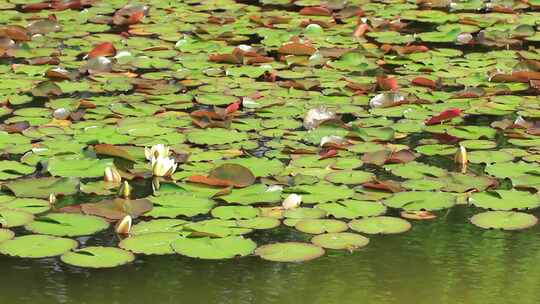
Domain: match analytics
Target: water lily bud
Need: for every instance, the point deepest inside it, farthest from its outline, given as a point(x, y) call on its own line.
point(112, 175)
point(61, 113)
point(52, 198)
point(125, 190)
point(461, 158)
point(292, 201)
point(163, 166)
point(124, 225)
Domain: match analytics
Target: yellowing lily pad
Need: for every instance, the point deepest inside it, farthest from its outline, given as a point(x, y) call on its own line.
point(289, 252)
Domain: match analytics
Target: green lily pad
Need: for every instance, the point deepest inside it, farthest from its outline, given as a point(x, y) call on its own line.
point(216, 228)
point(173, 205)
point(154, 243)
point(12, 169)
point(14, 218)
point(215, 136)
point(30, 205)
point(255, 194)
point(289, 252)
point(210, 248)
point(351, 209)
point(349, 177)
point(158, 225)
point(304, 213)
point(506, 220)
point(421, 200)
point(322, 192)
point(380, 225)
point(43, 187)
point(505, 200)
point(234, 212)
point(260, 222)
point(77, 167)
point(6, 234)
point(318, 226)
point(97, 257)
point(37, 246)
point(341, 240)
point(67, 224)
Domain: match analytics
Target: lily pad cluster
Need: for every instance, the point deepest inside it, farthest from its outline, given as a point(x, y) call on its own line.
point(188, 128)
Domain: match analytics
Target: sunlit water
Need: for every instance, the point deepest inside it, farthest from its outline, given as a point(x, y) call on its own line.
point(443, 261)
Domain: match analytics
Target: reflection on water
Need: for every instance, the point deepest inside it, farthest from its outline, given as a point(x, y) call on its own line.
point(443, 261)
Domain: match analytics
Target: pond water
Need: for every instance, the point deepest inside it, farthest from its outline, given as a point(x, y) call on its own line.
point(226, 131)
point(442, 261)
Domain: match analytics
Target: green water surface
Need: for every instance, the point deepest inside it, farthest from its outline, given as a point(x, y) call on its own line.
point(442, 261)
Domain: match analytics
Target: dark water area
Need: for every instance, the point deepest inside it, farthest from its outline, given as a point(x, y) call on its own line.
point(442, 261)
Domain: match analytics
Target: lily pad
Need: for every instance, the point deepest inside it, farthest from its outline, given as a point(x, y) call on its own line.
point(67, 224)
point(380, 225)
point(173, 205)
point(341, 240)
point(37, 246)
point(421, 200)
point(505, 200)
point(158, 225)
point(351, 209)
point(43, 187)
point(289, 252)
point(117, 208)
point(210, 248)
point(234, 212)
point(154, 243)
point(318, 226)
point(14, 218)
point(506, 220)
point(97, 257)
point(6, 234)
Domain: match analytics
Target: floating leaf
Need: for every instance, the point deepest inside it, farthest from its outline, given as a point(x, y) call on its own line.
point(6, 234)
point(117, 208)
point(208, 248)
point(505, 200)
point(342, 240)
point(506, 220)
point(318, 226)
point(97, 257)
point(157, 243)
point(158, 225)
point(234, 212)
point(37, 246)
point(43, 187)
point(289, 252)
point(13, 218)
point(380, 225)
point(66, 224)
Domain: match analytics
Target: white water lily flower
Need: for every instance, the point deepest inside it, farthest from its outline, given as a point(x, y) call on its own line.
point(384, 100)
point(156, 151)
point(163, 166)
point(292, 201)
